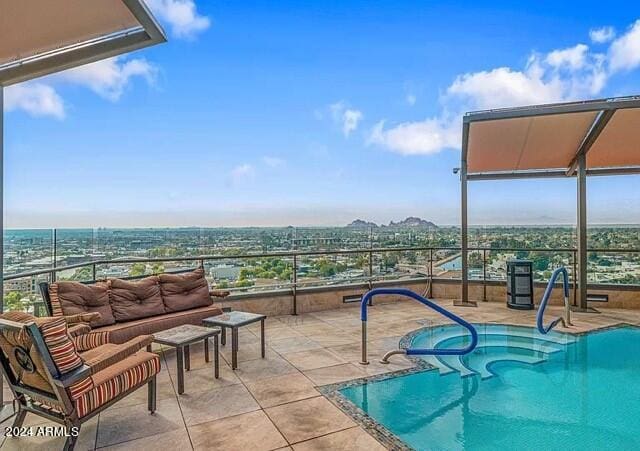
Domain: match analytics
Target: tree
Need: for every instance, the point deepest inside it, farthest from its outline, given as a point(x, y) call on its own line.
point(13, 300)
point(540, 261)
point(157, 268)
point(137, 269)
point(81, 274)
point(244, 283)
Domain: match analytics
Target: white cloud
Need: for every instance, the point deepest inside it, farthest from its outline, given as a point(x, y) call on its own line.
point(347, 118)
point(572, 58)
point(37, 99)
point(109, 78)
point(602, 34)
point(242, 172)
point(273, 162)
point(411, 99)
point(423, 137)
point(624, 52)
point(561, 75)
point(504, 86)
point(181, 15)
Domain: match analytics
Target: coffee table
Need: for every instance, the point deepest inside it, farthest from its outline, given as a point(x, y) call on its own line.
point(181, 337)
point(233, 321)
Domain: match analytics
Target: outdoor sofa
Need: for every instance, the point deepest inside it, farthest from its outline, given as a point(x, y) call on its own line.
point(131, 308)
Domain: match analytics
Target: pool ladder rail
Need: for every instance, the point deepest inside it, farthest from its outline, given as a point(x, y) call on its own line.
point(413, 351)
point(566, 319)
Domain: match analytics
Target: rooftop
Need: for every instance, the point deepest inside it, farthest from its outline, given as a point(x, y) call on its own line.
point(277, 402)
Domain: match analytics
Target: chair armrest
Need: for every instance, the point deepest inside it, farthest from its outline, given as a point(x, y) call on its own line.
point(82, 318)
point(67, 380)
point(118, 353)
point(78, 329)
point(219, 293)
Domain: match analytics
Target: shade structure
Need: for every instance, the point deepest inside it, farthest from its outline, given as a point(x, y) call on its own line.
point(526, 143)
point(39, 37)
point(574, 139)
point(545, 140)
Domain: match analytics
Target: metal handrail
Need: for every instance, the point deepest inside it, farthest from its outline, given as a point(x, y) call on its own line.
point(566, 319)
point(195, 258)
point(414, 351)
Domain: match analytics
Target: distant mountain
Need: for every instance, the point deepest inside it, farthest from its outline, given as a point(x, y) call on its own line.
point(360, 224)
point(413, 222)
point(410, 222)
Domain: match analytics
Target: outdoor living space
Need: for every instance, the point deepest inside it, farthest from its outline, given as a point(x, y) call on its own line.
point(275, 403)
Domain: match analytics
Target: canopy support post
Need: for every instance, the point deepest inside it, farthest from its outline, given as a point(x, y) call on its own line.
point(2, 225)
point(582, 231)
point(463, 216)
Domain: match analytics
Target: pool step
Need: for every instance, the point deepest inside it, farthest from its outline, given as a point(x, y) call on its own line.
point(453, 363)
point(496, 340)
point(482, 361)
point(511, 343)
point(496, 343)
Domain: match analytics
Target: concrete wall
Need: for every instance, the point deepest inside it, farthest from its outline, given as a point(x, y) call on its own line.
point(330, 298)
point(309, 300)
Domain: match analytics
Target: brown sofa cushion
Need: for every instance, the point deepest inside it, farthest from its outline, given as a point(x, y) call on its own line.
point(71, 298)
point(184, 291)
point(123, 332)
point(134, 300)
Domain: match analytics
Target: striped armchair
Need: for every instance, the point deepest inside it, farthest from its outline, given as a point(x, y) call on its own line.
point(50, 378)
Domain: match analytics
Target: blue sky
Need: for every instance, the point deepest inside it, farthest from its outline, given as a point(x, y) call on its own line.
point(312, 113)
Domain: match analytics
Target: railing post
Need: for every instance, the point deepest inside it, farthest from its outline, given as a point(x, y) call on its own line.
point(484, 275)
point(370, 275)
point(430, 272)
point(573, 276)
point(55, 248)
point(94, 272)
point(295, 284)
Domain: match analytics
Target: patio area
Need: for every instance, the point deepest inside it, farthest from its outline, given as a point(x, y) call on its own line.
point(274, 403)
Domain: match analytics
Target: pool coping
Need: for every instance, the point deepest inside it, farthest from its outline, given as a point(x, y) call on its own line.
point(368, 423)
point(388, 439)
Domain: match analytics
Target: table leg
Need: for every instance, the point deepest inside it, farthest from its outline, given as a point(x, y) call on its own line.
point(187, 358)
point(234, 348)
point(223, 337)
point(206, 350)
point(179, 358)
point(216, 358)
point(262, 336)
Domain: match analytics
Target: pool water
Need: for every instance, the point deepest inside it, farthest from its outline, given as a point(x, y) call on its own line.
point(517, 390)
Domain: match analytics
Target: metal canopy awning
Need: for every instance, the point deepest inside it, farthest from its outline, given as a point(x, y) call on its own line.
point(40, 37)
point(576, 139)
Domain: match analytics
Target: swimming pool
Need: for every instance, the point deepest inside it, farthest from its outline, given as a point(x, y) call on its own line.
point(517, 390)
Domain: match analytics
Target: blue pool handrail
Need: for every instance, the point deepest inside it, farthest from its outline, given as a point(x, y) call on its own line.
point(414, 351)
point(566, 320)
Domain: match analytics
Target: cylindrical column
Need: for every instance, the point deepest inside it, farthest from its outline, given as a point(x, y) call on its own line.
point(295, 284)
point(464, 232)
point(484, 275)
point(364, 360)
point(582, 231)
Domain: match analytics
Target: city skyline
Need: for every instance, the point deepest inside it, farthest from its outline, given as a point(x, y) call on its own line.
point(274, 115)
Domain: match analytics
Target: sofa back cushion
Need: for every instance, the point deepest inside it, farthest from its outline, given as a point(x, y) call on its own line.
point(184, 291)
point(71, 298)
point(134, 300)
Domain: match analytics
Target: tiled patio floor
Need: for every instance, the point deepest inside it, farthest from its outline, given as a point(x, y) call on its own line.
point(273, 403)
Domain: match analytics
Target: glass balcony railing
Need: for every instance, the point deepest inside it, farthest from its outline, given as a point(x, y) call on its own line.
point(256, 260)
